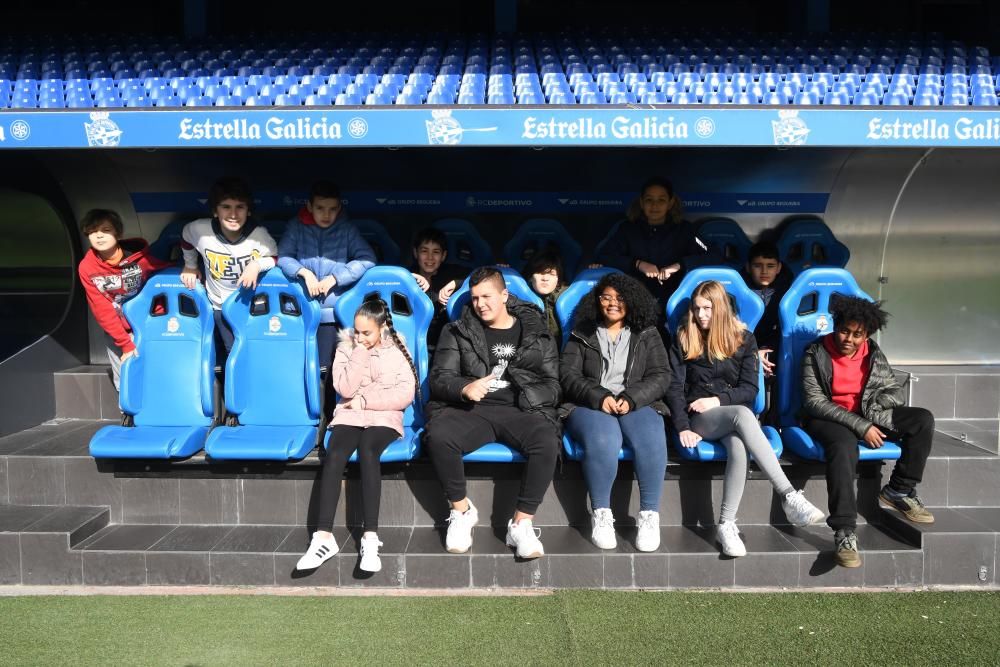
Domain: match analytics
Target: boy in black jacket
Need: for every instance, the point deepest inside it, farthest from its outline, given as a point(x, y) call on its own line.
point(495, 378)
point(769, 280)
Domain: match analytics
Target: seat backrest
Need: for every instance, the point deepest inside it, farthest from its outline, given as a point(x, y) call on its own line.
point(272, 374)
point(749, 308)
point(516, 285)
point(539, 235)
point(571, 296)
point(412, 312)
point(170, 382)
point(805, 316)
point(726, 239)
point(386, 249)
point(808, 242)
point(465, 245)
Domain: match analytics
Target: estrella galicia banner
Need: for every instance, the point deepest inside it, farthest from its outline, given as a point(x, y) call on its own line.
point(485, 126)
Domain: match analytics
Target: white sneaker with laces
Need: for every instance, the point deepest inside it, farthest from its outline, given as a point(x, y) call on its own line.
point(648, 537)
point(523, 537)
point(320, 550)
point(602, 528)
point(729, 538)
point(370, 562)
point(799, 510)
point(460, 525)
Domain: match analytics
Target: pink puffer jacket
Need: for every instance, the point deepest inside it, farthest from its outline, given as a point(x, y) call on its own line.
point(380, 378)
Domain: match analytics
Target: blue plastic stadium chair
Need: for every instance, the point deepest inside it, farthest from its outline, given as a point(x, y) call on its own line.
point(808, 242)
point(494, 452)
point(386, 249)
point(272, 374)
point(749, 308)
point(541, 234)
point(412, 312)
point(726, 238)
point(167, 388)
point(287, 100)
point(805, 317)
point(465, 246)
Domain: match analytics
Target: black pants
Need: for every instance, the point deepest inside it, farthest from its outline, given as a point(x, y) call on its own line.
point(224, 339)
point(326, 341)
point(914, 431)
point(454, 432)
point(369, 443)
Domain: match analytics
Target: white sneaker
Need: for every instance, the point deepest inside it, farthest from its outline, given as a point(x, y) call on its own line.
point(729, 537)
point(799, 510)
point(320, 550)
point(370, 562)
point(523, 536)
point(648, 538)
point(602, 529)
point(460, 524)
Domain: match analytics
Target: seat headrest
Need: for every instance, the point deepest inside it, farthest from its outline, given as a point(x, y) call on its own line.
point(749, 307)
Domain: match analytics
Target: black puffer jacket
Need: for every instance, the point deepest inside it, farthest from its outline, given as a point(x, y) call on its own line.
point(733, 380)
point(881, 394)
point(647, 371)
point(462, 357)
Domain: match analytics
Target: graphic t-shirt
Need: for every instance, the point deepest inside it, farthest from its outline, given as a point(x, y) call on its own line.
point(225, 260)
point(502, 345)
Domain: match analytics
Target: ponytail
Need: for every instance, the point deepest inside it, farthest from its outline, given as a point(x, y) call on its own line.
point(375, 308)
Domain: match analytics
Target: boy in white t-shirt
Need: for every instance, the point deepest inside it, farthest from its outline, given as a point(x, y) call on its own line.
point(234, 252)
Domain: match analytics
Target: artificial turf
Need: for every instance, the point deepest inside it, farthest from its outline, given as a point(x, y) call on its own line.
point(572, 627)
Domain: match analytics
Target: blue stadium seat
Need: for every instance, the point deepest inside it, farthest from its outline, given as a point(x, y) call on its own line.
point(386, 249)
point(412, 312)
point(726, 238)
point(465, 245)
point(167, 388)
point(541, 234)
point(807, 242)
point(272, 374)
point(749, 308)
point(805, 317)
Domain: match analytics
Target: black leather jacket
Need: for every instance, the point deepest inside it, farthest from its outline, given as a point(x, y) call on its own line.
point(881, 394)
point(462, 357)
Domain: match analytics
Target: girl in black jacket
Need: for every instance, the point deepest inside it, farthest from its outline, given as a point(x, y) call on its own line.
point(614, 373)
point(714, 384)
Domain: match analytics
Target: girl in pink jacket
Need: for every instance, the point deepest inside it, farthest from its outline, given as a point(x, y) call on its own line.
point(375, 380)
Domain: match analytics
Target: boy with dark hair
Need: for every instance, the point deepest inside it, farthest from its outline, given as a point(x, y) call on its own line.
point(234, 250)
point(326, 250)
point(766, 276)
point(850, 394)
point(112, 272)
point(546, 277)
point(437, 278)
point(495, 378)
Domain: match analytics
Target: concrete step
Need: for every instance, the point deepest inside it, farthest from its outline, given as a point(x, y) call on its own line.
point(37, 542)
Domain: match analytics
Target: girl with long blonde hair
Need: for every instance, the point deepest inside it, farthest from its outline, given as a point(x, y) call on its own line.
point(714, 382)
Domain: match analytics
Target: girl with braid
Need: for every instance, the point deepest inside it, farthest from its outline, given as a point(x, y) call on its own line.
point(375, 380)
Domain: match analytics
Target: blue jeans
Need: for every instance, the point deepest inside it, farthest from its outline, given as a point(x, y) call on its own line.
point(601, 436)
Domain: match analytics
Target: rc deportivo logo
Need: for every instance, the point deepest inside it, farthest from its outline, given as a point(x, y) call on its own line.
point(789, 129)
point(102, 132)
point(447, 131)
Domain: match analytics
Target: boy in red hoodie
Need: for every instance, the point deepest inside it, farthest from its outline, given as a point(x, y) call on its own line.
point(112, 272)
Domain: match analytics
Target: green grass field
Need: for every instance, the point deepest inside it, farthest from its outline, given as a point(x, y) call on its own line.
point(576, 627)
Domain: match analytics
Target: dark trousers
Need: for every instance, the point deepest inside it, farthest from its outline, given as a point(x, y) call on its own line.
point(224, 339)
point(914, 432)
point(326, 341)
point(453, 432)
point(344, 440)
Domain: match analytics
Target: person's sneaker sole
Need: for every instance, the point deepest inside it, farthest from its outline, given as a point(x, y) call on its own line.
point(454, 550)
point(850, 562)
point(887, 502)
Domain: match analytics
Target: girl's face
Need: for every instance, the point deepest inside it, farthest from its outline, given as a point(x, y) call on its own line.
point(702, 312)
point(656, 203)
point(613, 307)
point(545, 283)
point(367, 331)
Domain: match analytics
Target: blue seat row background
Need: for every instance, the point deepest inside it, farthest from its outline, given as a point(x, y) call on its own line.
point(557, 69)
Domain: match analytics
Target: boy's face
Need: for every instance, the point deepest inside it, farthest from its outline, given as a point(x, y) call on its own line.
point(103, 236)
point(488, 302)
point(545, 282)
point(324, 210)
point(763, 271)
point(430, 256)
point(232, 214)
